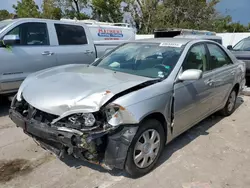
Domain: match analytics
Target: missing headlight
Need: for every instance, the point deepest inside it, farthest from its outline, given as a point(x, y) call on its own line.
point(83, 121)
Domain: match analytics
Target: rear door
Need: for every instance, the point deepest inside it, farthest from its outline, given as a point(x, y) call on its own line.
point(224, 74)
point(193, 98)
point(32, 54)
point(73, 45)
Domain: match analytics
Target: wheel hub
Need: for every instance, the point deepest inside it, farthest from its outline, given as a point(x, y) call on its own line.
point(147, 148)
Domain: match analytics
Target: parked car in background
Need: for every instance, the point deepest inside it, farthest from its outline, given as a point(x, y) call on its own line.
point(242, 52)
point(28, 45)
point(121, 110)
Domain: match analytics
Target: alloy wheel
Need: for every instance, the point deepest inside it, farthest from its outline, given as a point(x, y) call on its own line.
point(147, 148)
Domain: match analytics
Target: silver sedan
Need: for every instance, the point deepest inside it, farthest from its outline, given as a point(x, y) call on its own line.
point(122, 109)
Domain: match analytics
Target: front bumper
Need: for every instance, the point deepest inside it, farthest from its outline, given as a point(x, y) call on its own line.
point(108, 149)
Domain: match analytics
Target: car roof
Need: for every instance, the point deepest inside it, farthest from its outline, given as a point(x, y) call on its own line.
point(31, 19)
point(182, 41)
point(43, 20)
point(199, 36)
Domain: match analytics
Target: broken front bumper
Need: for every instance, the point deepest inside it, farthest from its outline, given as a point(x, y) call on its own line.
point(108, 149)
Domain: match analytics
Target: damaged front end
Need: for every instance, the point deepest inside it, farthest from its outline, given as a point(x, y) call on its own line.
point(95, 137)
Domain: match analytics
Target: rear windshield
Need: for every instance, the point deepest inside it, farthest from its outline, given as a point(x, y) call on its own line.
point(153, 60)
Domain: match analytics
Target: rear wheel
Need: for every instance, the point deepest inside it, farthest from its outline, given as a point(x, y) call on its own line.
point(230, 105)
point(145, 148)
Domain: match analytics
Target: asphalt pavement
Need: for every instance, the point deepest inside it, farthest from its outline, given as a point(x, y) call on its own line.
point(213, 154)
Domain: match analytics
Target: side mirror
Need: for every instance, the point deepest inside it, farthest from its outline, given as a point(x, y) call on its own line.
point(190, 74)
point(11, 40)
point(230, 47)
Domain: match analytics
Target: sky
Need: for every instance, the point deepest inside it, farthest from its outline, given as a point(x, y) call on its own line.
point(238, 9)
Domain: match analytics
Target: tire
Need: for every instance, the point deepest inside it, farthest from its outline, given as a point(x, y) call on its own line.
point(229, 108)
point(141, 167)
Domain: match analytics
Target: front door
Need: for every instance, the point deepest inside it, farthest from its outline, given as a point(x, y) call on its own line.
point(193, 98)
point(31, 54)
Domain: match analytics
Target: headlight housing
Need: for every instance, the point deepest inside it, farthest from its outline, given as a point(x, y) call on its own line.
point(79, 121)
point(114, 114)
point(111, 116)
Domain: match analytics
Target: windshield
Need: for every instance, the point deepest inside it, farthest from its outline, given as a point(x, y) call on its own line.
point(4, 23)
point(151, 60)
point(243, 45)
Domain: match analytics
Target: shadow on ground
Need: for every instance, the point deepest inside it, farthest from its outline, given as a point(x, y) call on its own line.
point(177, 144)
point(248, 82)
point(4, 106)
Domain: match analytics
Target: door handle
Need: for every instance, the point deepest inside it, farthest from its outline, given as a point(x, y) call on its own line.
point(209, 82)
point(48, 53)
point(88, 52)
point(233, 73)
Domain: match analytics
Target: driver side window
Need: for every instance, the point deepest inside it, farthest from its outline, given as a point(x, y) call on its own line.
point(31, 34)
point(196, 58)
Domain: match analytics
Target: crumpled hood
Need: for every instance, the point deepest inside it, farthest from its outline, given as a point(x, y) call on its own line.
point(72, 89)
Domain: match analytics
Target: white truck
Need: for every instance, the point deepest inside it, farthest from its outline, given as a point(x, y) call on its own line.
point(28, 45)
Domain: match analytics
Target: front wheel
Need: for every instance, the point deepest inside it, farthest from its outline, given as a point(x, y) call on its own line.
point(145, 148)
point(230, 105)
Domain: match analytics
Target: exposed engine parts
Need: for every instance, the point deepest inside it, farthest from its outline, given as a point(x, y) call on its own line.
point(87, 137)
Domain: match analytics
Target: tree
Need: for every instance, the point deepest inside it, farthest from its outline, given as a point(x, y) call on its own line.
point(143, 14)
point(221, 23)
point(4, 14)
point(73, 8)
point(107, 10)
point(196, 14)
point(225, 24)
point(237, 27)
point(150, 14)
point(72, 14)
point(50, 11)
point(27, 8)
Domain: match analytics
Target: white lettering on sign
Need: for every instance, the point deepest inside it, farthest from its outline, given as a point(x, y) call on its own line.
point(168, 44)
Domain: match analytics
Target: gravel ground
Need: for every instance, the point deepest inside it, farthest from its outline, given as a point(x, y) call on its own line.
point(213, 154)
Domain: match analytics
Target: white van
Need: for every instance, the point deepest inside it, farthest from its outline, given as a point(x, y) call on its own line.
point(105, 31)
point(29, 45)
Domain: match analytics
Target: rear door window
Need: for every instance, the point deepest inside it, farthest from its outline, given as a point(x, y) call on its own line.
point(70, 34)
point(218, 57)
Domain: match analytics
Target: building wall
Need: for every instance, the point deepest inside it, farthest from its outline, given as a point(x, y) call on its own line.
point(232, 38)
